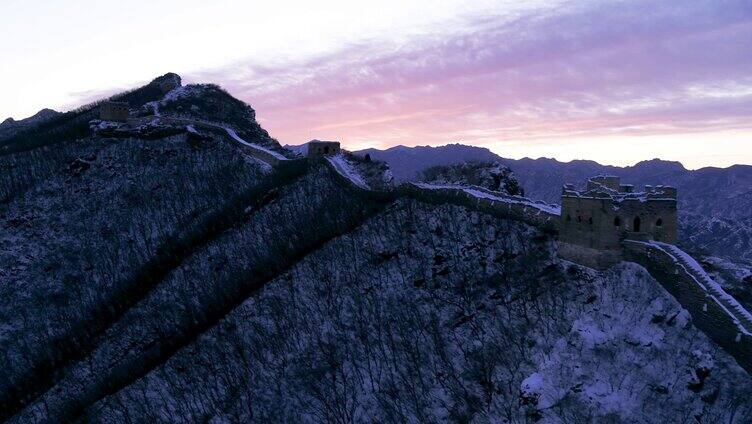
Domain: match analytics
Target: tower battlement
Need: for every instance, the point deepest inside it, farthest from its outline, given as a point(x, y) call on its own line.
point(595, 221)
point(114, 111)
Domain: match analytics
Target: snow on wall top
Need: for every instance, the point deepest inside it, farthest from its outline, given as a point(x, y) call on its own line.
point(237, 138)
point(705, 280)
point(732, 307)
point(343, 168)
point(610, 187)
point(497, 197)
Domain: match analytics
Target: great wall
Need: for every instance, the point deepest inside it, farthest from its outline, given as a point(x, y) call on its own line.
point(649, 244)
point(713, 311)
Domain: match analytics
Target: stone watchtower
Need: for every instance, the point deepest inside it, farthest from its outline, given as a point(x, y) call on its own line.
point(596, 220)
point(114, 111)
point(318, 148)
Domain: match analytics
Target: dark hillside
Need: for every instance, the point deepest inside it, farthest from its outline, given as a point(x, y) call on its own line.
point(159, 271)
point(83, 242)
point(206, 285)
point(89, 226)
point(436, 314)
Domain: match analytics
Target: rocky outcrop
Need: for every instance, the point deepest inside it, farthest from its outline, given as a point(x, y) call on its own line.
point(167, 82)
point(490, 175)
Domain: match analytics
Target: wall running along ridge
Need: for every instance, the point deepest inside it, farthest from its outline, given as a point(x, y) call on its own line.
point(122, 360)
point(714, 311)
point(709, 313)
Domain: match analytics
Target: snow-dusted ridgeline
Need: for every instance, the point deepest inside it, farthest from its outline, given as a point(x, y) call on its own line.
point(714, 311)
point(340, 164)
point(694, 269)
point(539, 214)
point(484, 193)
point(272, 153)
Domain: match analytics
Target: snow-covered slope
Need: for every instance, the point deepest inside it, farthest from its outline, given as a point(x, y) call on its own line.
point(169, 278)
point(426, 314)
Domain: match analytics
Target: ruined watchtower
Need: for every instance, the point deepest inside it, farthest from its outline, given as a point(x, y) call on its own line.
point(317, 148)
point(114, 111)
point(596, 220)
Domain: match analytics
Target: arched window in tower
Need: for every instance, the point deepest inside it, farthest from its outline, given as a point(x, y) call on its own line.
point(636, 225)
point(617, 222)
point(579, 218)
point(590, 220)
point(569, 218)
point(659, 222)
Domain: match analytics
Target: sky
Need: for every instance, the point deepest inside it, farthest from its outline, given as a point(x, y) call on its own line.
point(611, 81)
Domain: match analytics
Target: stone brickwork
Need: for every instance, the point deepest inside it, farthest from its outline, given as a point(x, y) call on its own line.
point(537, 214)
point(589, 257)
point(709, 313)
point(114, 111)
point(600, 217)
point(318, 148)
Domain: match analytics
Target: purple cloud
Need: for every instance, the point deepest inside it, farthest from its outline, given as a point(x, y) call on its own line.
point(618, 68)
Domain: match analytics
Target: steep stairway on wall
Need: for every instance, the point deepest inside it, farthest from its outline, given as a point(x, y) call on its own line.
point(694, 269)
point(713, 311)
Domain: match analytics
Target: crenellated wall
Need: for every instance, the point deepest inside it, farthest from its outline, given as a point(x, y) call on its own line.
point(607, 212)
point(708, 312)
point(601, 223)
point(497, 204)
point(713, 311)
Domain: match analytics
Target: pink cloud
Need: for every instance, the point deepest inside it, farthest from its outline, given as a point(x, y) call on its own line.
point(623, 68)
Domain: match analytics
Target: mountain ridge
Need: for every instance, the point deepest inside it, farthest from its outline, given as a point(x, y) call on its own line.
point(160, 274)
point(11, 127)
point(485, 151)
point(715, 204)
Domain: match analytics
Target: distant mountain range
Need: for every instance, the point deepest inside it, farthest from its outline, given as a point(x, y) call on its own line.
point(11, 127)
point(715, 203)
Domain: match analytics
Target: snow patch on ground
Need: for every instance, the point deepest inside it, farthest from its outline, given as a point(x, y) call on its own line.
point(154, 107)
point(265, 168)
point(98, 125)
point(388, 177)
point(180, 92)
point(621, 357)
point(346, 170)
point(237, 138)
